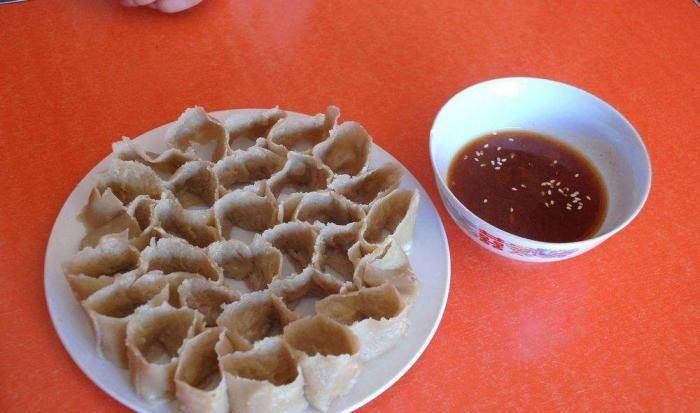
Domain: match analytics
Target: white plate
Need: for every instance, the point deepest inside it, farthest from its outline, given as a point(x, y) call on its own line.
point(429, 256)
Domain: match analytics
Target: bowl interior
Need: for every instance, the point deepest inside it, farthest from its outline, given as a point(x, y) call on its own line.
point(569, 114)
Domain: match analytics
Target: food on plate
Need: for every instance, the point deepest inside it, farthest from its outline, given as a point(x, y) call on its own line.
point(328, 357)
point(199, 385)
point(266, 378)
point(346, 151)
point(365, 188)
point(255, 265)
point(154, 336)
point(392, 216)
point(327, 207)
point(376, 315)
point(93, 268)
point(111, 308)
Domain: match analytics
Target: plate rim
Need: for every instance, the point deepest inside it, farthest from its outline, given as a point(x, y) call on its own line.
point(220, 115)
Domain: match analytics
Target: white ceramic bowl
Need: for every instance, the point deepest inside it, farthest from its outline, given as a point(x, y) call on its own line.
point(569, 114)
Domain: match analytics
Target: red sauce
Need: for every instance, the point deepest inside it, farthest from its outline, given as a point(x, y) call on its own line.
point(530, 185)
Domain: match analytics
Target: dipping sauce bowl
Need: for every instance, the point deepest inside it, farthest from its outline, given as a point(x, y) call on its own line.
point(569, 114)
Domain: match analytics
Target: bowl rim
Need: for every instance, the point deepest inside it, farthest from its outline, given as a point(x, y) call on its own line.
point(570, 88)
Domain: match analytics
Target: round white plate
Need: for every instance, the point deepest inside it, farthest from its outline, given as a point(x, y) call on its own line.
point(429, 257)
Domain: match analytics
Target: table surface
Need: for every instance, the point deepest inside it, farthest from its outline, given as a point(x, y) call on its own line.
point(614, 330)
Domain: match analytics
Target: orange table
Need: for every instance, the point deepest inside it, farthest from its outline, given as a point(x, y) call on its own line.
point(614, 330)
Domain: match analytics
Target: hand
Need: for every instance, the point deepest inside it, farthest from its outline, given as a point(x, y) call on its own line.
point(167, 6)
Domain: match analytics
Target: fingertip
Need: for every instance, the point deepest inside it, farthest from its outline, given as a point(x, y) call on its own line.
point(175, 6)
point(137, 3)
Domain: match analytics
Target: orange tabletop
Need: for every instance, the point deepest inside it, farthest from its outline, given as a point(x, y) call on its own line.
point(616, 329)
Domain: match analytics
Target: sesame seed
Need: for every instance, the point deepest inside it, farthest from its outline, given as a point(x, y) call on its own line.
point(577, 199)
point(554, 162)
point(568, 205)
point(514, 189)
point(549, 192)
point(588, 197)
point(493, 163)
point(498, 148)
point(482, 165)
point(543, 184)
point(511, 139)
point(580, 206)
point(512, 155)
point(551, 181)
point(476, 159)
point(558, 183)
point(575, 193)
point(486, 200)
point(546, 204)
point(568, 208)
point(576, 176)
point(560, 191)
point(511, 210)
point(486, 145)
point(497, 168)
point(523, 185)
point(542, 193)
